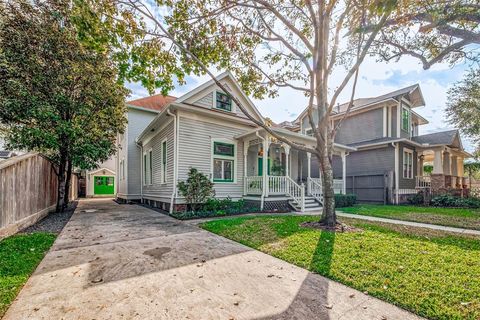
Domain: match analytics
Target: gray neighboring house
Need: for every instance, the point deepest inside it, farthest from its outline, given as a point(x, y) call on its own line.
point(387, 165)
point(204, 129)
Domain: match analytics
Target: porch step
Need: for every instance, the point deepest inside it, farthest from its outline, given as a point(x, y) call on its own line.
point(311, 204)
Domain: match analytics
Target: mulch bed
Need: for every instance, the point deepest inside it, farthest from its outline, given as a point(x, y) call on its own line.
point(54, 222)
point(339, 227)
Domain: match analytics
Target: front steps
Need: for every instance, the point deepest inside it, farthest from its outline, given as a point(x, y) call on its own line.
point(311, 204)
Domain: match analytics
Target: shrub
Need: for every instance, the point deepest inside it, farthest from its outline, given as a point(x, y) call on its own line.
point(345, 200)
point(216, 207)
point(416, 199)
point(446, 200)
point(197, 189)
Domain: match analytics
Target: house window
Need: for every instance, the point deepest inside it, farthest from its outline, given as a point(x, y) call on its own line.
point(405, 119)
point(223, 102)
point(164, 161)
point(223, 162)
point(145, 169)
point(407, 164)
point(309, 132)
point(222, 170)
point(223, 149)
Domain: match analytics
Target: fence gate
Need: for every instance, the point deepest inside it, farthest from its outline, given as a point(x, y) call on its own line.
point(370, 188)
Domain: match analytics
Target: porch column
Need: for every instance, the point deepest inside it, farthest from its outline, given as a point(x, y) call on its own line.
point(266, 144)
point(309, 169)
point(438, 178)
point(344, 172)
point(446, 169)
point(454, 170)
point(245, 166)
point(420, 165)
point(287, 160)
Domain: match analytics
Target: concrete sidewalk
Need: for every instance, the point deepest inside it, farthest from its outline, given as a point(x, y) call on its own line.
point(409, 223)
point(128, 262)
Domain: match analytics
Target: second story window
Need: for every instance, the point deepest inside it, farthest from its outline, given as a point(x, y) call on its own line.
point(223, 102)
point(405, 119)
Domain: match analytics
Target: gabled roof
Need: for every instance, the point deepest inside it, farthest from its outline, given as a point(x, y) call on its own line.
point(155, 102)
point(220, 77)
point(446, 138)
point(413, 91)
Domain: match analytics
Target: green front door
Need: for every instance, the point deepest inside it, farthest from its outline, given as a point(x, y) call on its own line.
point(103, 185)
point(260, 166)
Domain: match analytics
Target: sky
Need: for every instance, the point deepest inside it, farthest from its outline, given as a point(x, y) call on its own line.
point(376, 78)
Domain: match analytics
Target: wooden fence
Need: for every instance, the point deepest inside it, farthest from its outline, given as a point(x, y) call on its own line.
point(28, 192)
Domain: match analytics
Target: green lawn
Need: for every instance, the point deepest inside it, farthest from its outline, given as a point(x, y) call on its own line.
point(19, 256)
point(431, 273)
point(453, 217)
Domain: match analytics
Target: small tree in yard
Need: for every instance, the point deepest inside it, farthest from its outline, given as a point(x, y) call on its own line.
point(196, 189)
point(57, 97)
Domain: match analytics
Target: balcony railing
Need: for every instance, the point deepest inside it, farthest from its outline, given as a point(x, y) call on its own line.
point(423, 182)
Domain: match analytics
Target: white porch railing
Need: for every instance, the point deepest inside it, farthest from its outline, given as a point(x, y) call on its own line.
point(314, 186)
point(338, 185)
point(297, 192)
point(277, 185)
point(253, 185)
point(423, 182)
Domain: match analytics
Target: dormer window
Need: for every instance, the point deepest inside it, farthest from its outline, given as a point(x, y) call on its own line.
point(223, 102)
point(405, 119)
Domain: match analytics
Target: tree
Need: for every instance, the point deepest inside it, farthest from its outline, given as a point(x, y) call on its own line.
point(57, 97)
point(197, 189)
point(463, 106)
point(266, 44)
point(472, 169)
point(433, 32)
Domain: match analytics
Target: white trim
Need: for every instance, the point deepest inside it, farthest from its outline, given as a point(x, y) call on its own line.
point(410, 152)
point(131, 106)
point(399, 116)
point(147, 167)
point(207, 115)
point(163, 167)
point(222, 157)
point(233, 107)
point(385, 121)
point(100, 169)
point(389, 122)
point(157, 131)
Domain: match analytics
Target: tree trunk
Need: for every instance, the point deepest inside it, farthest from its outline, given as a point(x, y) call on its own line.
point(61, 184)
point(68, 181)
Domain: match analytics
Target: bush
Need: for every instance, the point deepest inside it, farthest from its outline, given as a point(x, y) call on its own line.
point(450, 201)
point(345, 200)
point(216, 208)
point(417, 199)
point(197, 189)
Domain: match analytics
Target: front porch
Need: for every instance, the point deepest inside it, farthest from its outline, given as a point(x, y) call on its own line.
point(275, 171)
point(448, 171)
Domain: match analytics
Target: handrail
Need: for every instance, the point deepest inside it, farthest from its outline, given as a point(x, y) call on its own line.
point(423, 181)
point(253, 185)
point(296, 191)
point(316, 189)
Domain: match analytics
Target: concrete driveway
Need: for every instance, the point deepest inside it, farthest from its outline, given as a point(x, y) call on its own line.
point(128, 262)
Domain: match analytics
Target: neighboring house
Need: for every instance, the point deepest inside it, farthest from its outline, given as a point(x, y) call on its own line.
point(166, 136)
point(390, 153)
point(101, 182)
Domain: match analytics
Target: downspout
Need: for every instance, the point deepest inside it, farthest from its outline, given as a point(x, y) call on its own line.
point(141, 169)
point(175, 159)
point(397, 178)
point(262, 198)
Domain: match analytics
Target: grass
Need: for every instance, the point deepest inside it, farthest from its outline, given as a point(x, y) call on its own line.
point(19, 256)
point(428, 272)
point(452, 217)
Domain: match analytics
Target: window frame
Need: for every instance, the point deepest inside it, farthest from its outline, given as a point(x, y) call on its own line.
point(164, 160)
point(150, 166)
point(224, 158)
point(309, 132)
point(216, 101)
point(409, 119)
point(407, 161)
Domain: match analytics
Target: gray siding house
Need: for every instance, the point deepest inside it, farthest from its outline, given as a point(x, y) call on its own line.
point(388, 162)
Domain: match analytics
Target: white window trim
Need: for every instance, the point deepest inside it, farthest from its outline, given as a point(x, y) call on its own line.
point(163, 174)
point(214, 156)
point(147, 175)
point(233, 110)
point(409, 151)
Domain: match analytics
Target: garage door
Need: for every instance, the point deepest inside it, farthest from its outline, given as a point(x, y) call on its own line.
point(103, 185)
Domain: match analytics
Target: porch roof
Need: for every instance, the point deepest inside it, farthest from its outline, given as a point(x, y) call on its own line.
point(295, 136)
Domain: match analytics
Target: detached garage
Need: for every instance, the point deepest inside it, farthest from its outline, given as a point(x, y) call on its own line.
point(101, 183)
